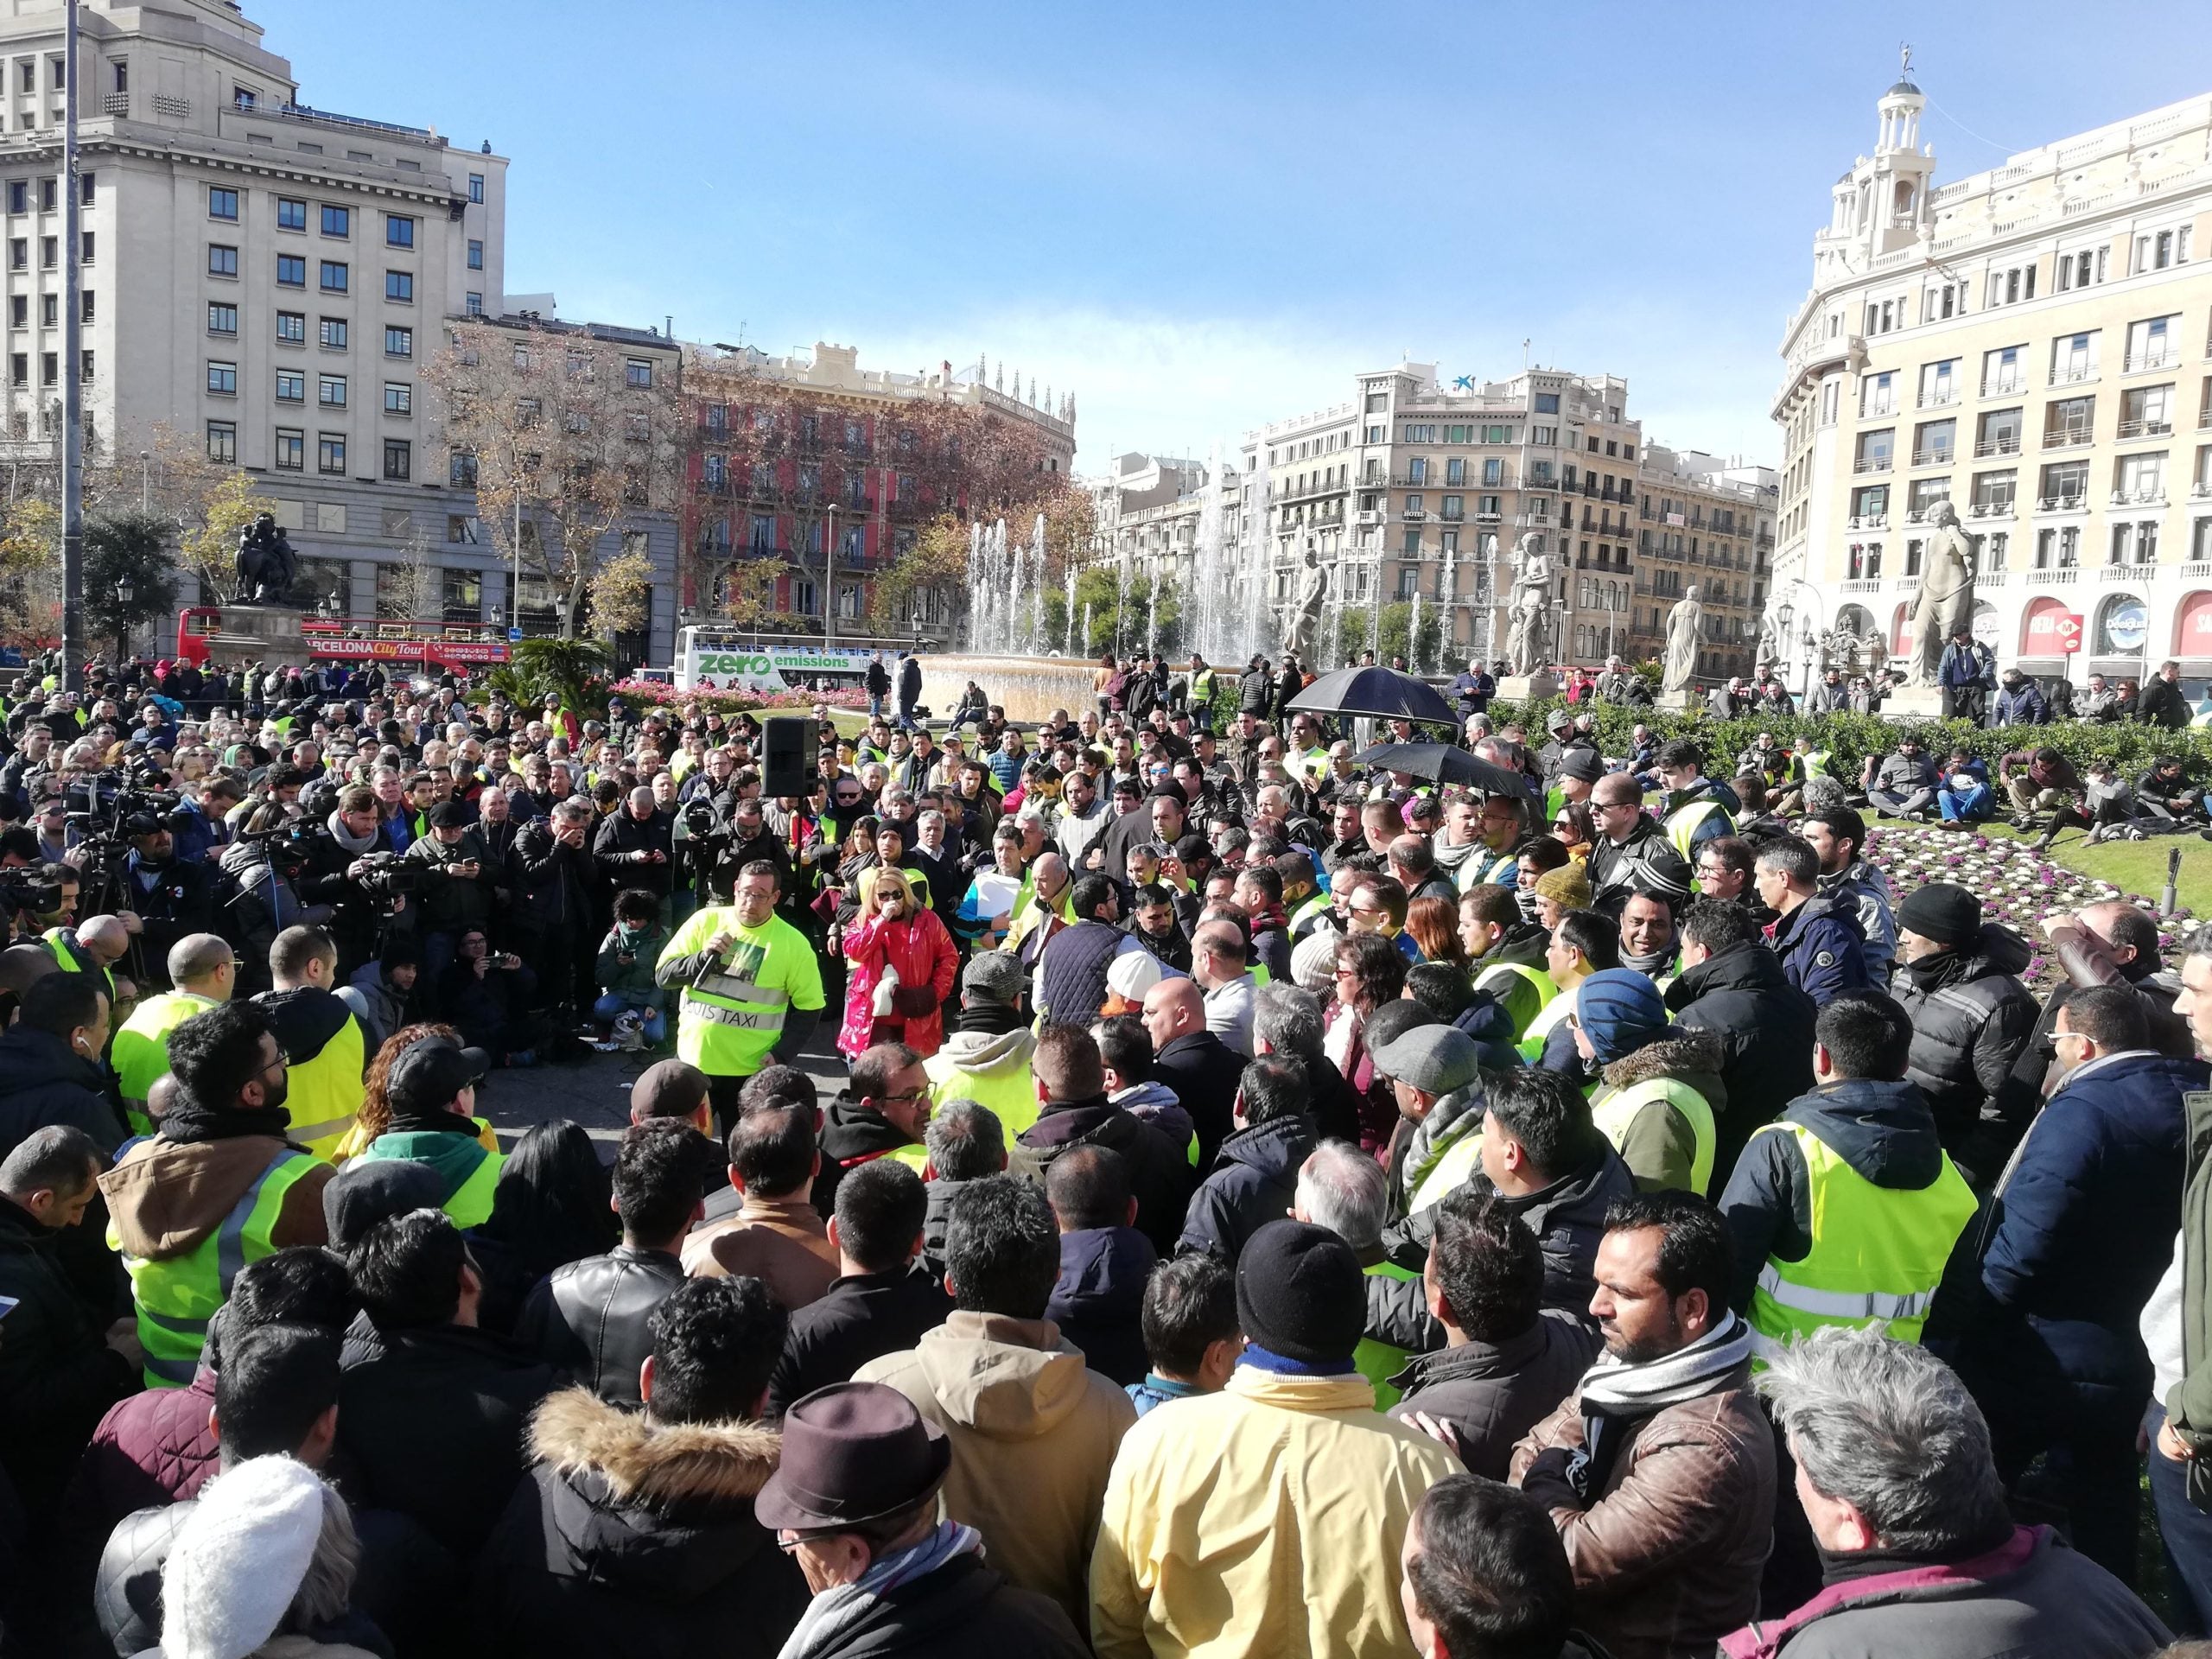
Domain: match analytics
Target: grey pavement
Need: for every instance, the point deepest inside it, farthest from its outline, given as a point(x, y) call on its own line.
point(596, 1093)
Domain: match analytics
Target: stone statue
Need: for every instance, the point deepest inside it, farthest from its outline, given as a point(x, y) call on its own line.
point(1771, 646)
point(1528, 607)
point(1301, 618)
point(1685, 634)
point(267, 566)
point(1946, 601)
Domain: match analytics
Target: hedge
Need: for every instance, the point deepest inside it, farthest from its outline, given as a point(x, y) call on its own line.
point(1849, 739)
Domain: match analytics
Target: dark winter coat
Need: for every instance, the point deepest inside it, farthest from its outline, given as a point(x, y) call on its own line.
point(1823, 948)
point(1252, 1183)
point(58, 1377)
point(151, 1449)
point(1765, 1028)
point(633, 1539)
point(2077, 1233)
point(2030, 1598)
point(963, 1609)
point(434, 1422)
point(43, 1081)
point(1098, 1302)
point(1205, 1072)
point(592, 1320)
point(1971, 1018)
point(862, 1316)
point(1493, 1393)
point(1882, 1130)
point(1160, 1175)
point(852, 1136)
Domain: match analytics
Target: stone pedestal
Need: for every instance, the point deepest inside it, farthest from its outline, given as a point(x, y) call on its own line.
point(1911, 703)
point(264, 634)
point(1528, 688)
point(1684, 701)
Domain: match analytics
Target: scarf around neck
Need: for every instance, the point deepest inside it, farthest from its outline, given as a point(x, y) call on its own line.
point(1617, 1394)
point(835, 1611)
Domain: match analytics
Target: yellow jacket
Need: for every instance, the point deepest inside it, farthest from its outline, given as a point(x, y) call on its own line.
point(1265, 1520)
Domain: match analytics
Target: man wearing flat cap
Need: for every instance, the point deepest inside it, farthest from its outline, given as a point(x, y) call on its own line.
point(854, 1500)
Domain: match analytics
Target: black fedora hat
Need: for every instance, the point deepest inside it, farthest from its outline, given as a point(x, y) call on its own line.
point(853, 1452)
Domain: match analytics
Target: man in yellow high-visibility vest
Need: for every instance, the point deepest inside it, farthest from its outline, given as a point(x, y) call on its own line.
point(1845, 1209)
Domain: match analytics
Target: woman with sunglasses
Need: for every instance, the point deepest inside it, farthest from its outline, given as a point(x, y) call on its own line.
point(1371, 971)
point(903, 965)
point(1574, 829)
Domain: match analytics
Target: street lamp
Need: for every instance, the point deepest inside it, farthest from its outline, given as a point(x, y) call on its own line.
point(124, 590)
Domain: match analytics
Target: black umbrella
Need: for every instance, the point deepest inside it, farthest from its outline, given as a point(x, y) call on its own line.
point(1443, 764)
point(1383, 692)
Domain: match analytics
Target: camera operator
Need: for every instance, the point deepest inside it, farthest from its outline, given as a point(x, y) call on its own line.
point(280, 786)
point(200, 824)
point(337, 857)
point(265, 866)
point(171, 897)
point(488, 995)
point(551, 875)
point(634, 848)
point(456, 891)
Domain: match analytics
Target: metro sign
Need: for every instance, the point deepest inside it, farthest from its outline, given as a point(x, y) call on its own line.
point(2067, 630)
point(2053, 631)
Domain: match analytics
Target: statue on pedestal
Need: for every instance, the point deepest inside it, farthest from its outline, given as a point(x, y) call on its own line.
point(1301, 617)
point(1685, 634)
point(1946, 601)
point(1528, 607)
point(267, 566)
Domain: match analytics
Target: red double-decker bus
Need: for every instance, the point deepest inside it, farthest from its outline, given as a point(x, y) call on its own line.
point(428, 647)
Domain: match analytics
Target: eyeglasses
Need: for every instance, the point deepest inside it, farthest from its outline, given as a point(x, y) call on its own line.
point(910, 1095)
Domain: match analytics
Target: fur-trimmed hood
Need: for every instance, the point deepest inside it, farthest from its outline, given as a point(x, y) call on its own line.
point(653, 1466)
point(1689, 1055)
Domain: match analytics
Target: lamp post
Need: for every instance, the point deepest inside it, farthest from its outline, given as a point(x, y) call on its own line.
point(123, 593)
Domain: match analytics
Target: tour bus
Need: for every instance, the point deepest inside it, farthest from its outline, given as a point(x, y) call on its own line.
point(730, 659)
point(423, 647)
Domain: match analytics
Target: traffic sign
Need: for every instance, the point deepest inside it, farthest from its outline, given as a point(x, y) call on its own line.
point(513, 635)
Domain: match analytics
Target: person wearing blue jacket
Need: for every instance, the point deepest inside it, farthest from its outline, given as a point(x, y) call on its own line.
point(1817, 935)
point(2069, 1249)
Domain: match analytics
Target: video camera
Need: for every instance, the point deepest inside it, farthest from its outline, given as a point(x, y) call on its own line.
point(388, 876)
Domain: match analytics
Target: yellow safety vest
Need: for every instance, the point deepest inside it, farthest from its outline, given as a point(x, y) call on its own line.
point(1494, 979)
point(177, 1297)
point(729, 1020)
point(1612, 1113)
point(140, 1050)
point(1378, 1362)
point(1540, 1028)
point(1450, 1168)
point(1010, 1091)
point(73, 958)
point(325, 1092)
point(1684, 822)
point(1877, 1253)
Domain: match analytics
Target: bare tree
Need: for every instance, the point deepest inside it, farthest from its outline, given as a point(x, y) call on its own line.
point(559, 438)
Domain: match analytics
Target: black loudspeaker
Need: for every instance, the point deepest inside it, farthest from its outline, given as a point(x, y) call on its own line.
point(784, 741)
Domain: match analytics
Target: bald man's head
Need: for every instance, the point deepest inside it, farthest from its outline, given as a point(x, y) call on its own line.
point(204, 965)
point(106, 937)
point(160, 1095)
point(1615, 789)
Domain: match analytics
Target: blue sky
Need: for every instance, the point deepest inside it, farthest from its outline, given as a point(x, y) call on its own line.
point(1201, 217)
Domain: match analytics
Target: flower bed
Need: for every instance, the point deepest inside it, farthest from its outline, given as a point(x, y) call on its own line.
point(659, 694)
point(2018, 886)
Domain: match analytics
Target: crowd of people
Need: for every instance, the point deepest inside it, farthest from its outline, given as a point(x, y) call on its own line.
point(1265, 1203)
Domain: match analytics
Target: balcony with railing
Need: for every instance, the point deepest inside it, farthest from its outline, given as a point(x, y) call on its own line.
point(1995, 507)
point(2006, 444)
point(2165, 355)
point(1939, 455)
point(2061, 504)
point(2144, 429)
point(2073, 374)
point(1879, 409)
point(2131, 573)
point(1940, 398)
point(1864, 585)
point(2003, 386)
point(1867, 521)
point(2053, 576)
point(2144, 495)
point(2067, 437)
point(1871, 463)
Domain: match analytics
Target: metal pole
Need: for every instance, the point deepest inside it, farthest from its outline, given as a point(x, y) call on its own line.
point(145, 481)
point(829, 580)
point(73, 387)
point(514, 598)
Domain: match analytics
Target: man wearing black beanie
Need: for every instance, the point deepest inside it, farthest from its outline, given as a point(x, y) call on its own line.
point(1296, 1434)
point(1957, 978)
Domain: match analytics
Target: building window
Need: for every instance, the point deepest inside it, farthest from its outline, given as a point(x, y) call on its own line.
point(337, 221)
point(222, 441)
point(330, 391)
point(49, 310)
point(399, 342)
point(291, 450)
point(638, 370)
point(334, 334)
point(291, 386)
point(399, 287)
point(474, 305)
point(222, 319)
point(292, 327)
point(223, 379)
point(399, 397)
point(291, 270)
point(19, 196)
point(476, 187)
point(336, 278)
point(398, 230)
point(330, 452)
point(222, 204)
point(291, 215)
point(460, 470)
point(475, 254)
point(398, 459)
